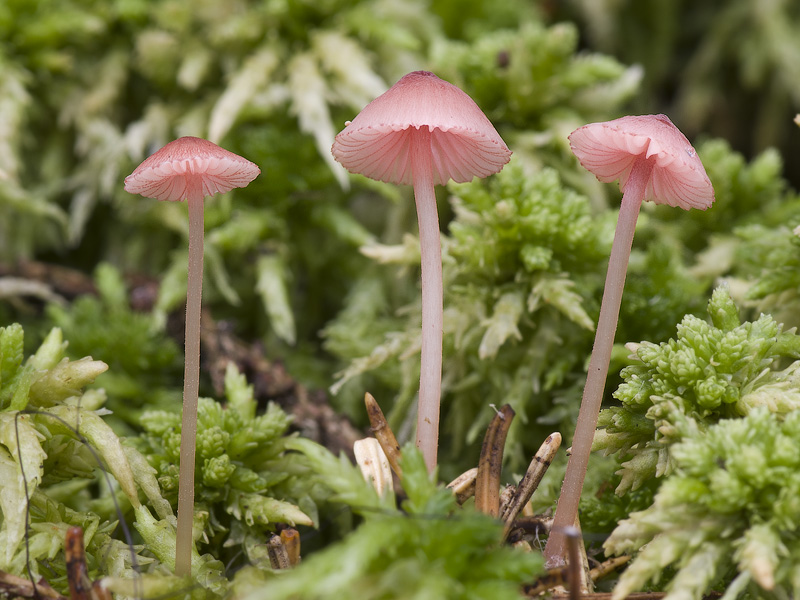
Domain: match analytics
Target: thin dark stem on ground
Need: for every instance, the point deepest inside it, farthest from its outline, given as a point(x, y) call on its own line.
point(574, 566)
point(383, 433)
point(530, 482)
point(487, 483)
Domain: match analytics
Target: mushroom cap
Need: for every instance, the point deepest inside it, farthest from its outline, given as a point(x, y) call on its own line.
point(610, 149)
point(190, 167)
point(464, 144)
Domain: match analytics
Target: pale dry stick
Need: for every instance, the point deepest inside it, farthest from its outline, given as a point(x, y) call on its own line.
point(522, 546)
point(506, 494)
point(14, 586)
point(607, 567)
point(373, 464)
point(291, 541)
point(487, 484)
point(533, 477)
point(463, 486)
point(278, 556)
point(383, 433)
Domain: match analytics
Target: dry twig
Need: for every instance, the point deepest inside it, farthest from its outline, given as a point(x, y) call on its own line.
point(12, 586)
point(609, 566)
point(487, 484)
point(383, 433)
point(541, 461)
point(278, 555)
point(374, 465)
point(463, 486)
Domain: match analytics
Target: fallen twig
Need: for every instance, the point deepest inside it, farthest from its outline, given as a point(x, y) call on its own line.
point(463, 486)
point(609, 566)
point(527, 486)
point(374, 465)
point(487, 484)
point(13, 586)
point(383, 433)
point(64, 281)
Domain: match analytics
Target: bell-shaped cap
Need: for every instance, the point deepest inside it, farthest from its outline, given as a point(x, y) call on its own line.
point(464, 144)
point(190, 168)
point(610, 149)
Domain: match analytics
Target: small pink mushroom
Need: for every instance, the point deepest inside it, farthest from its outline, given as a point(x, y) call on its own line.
point(190, 169)
point(424, 131)
point(654, 161)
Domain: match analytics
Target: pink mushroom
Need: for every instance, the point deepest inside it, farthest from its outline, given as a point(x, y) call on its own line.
point(654, 161)
point(423, 131)
point(190, 169)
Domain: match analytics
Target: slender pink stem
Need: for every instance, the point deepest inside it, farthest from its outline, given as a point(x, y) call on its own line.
point(430, 380)
point(191, 385)
point(567, 509)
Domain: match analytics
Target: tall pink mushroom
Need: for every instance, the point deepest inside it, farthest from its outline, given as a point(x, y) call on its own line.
point(424, 131)
point(190, 169)
point(653, 161)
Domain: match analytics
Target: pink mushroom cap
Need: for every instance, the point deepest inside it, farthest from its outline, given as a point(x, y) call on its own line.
point(464, 143)
point(610, 149)
point(190, 167)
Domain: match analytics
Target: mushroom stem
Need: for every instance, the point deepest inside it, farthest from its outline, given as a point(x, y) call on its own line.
point(430, 380)
point(571, 490)
point(191, 385)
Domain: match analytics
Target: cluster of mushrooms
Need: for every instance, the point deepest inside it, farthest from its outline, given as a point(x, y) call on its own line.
point(424, 132)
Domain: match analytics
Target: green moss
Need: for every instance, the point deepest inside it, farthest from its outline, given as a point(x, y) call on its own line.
point(428, 548)
point(710, 371)
point(731, 508)
point(245, 482)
